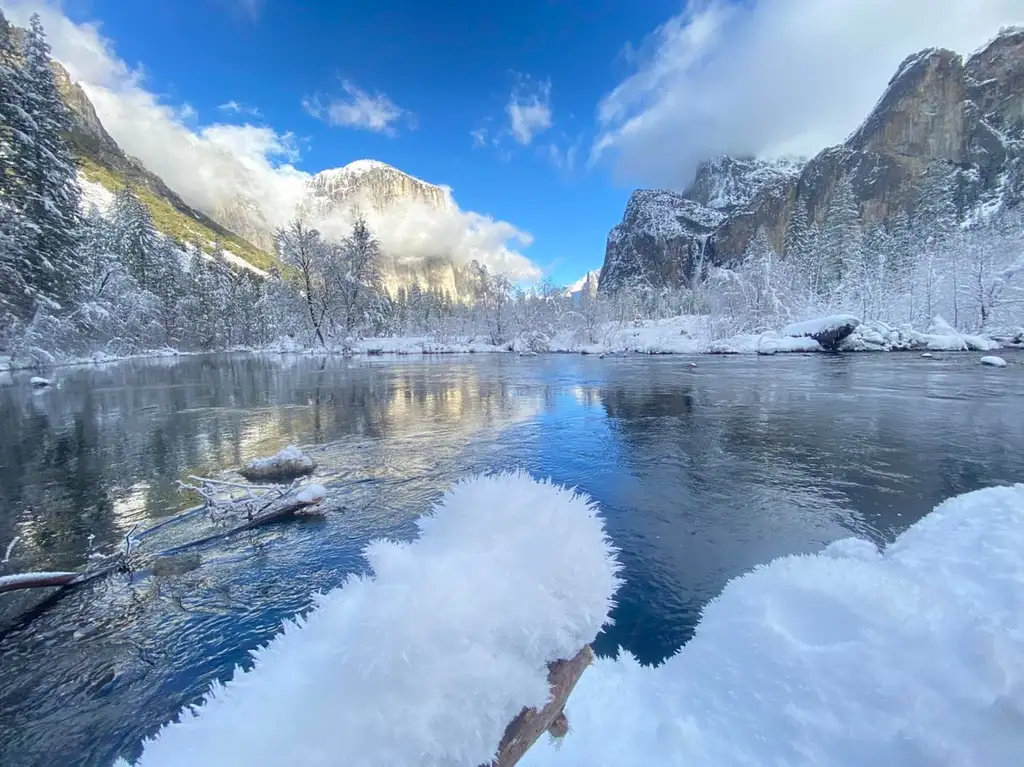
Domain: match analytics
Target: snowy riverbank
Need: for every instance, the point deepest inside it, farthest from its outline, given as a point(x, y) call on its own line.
point(851, 656)
point(686, 335)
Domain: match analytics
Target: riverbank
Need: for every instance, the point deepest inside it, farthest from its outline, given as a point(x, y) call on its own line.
point(683, 335)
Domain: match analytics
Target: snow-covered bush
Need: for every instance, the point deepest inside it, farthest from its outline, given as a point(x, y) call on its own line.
point(427, 660)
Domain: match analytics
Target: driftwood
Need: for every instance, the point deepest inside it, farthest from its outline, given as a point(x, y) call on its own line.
point(277, 515)
point(523, 731)
point(68, 580)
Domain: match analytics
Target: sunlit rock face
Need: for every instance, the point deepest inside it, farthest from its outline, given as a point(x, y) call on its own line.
point(941, 115)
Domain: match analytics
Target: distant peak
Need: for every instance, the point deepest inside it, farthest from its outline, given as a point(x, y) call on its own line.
point(356, 168)
point(362, 166)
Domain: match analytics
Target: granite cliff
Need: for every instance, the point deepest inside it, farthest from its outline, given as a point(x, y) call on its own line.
point(942, 116)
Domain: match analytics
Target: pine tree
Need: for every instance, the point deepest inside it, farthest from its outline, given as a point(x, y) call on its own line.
point(357, 278)
point(935, 216)
point(16, 294)
point(841, 238)
point(45, 164)
point(135, 238)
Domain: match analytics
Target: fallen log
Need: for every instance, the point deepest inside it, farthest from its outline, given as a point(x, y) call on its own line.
point(523, 731)
point(20, 581)
point(304, 499)
point(277, 515)
point(35, 580)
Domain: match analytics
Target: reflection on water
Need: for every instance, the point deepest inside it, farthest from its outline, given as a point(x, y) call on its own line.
point(701, 472)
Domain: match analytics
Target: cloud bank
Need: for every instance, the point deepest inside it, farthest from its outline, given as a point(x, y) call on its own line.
point(213, 164)
point(771, 77)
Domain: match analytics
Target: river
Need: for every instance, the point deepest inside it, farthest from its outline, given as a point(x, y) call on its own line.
point(701, 473)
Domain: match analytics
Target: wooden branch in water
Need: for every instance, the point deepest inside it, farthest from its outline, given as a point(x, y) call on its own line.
point(65, 580)
point(35, 581)
point(277, 515)
point(523, 731)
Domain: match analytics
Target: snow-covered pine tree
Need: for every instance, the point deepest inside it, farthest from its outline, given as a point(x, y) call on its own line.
point(50, 180)
point(16, 297)
point(356, 274)
point(136, 240)
point(935, 215)
point(800, 248)
point(841, 239)
point(200, 306)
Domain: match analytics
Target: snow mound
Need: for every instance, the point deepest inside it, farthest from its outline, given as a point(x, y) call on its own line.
point(820, 325)
point(287, 464)
point(911, 656)
point(428, 660)
point(996, 362)
point(311, 494)
point(878, 336)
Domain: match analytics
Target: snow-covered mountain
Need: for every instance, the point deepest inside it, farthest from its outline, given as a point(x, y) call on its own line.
point(371, 185)
point(942, 116)
point(585, 285)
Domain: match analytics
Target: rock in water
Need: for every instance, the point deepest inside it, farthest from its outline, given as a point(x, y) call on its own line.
point(829, 332)
point(285, 465)
point(996, 362)
point(40, 383)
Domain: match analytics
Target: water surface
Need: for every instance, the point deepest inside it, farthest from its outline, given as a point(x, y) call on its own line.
point(701, 473)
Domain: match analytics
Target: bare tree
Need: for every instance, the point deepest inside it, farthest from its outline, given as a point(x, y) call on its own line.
point(303, 249)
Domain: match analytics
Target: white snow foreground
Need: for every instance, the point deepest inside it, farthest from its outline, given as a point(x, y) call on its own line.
point(913, 656)
point(427, 661)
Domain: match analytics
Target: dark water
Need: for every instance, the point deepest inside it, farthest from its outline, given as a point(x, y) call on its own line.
point(702, 473)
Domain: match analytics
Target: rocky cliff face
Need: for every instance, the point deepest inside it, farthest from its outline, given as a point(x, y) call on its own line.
point(376, 188)
point(960, 120)
point(368, 184)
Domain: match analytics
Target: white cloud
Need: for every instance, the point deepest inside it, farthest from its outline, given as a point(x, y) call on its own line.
point(236, 108)
point(210, 164)
point(771, 77)
point(529, 110)
point(356, 109)
point(563, 159)
point(419, 232)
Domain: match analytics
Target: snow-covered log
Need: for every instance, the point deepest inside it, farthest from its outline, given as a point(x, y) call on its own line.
point(427, 660)
point(20, 581)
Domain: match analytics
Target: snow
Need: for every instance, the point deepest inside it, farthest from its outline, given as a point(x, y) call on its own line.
point(94, 193)
point(820, 326)
point(288, 462)
point(878, 336)
point(996, 362)
point(428, 659)
point(40, 382)
point(852, 657)
point(240, 262)
point(311, 494)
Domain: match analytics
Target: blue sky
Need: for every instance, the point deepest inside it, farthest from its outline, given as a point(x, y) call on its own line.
point(452, 66)
point(643, 88)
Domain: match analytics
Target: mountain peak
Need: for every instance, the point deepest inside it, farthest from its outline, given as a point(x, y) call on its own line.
point(355, 168)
